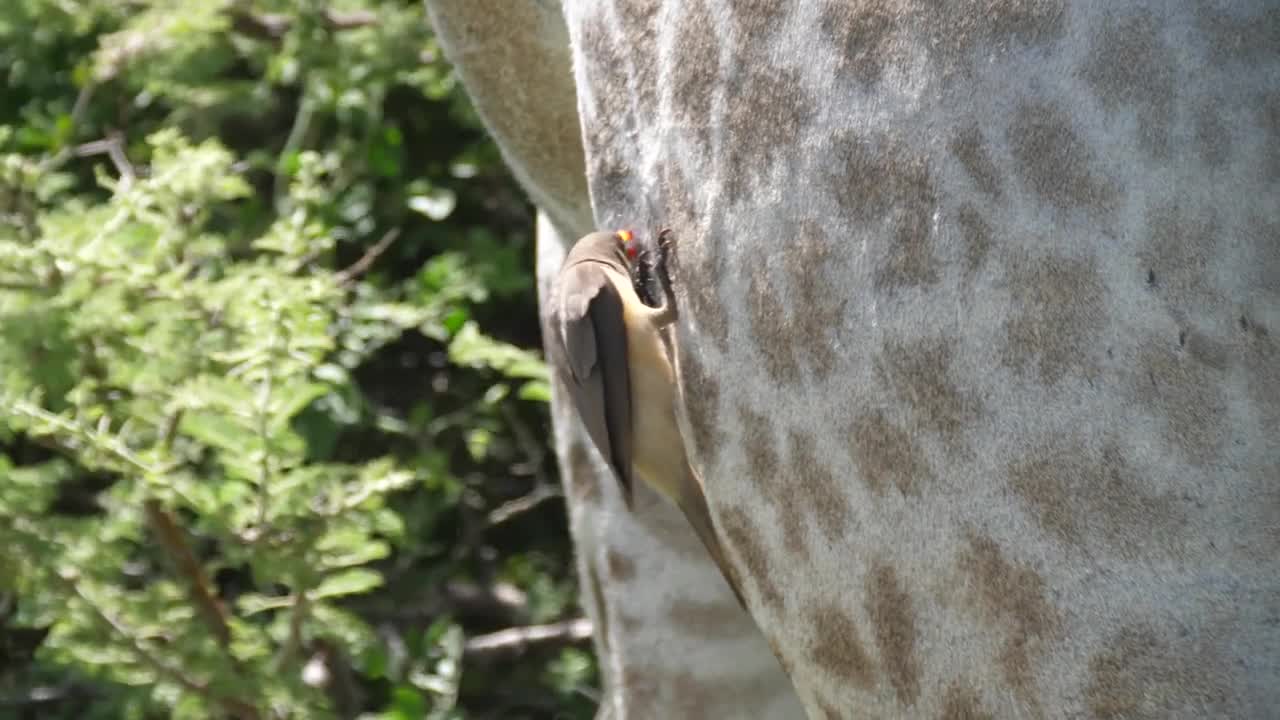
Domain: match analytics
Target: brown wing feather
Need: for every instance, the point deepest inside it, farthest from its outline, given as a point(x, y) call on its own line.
point(593, 340)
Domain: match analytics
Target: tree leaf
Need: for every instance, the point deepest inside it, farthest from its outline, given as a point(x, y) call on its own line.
point(347, 582)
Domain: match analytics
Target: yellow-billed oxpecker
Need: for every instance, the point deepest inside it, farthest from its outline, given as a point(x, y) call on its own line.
point(618, 364)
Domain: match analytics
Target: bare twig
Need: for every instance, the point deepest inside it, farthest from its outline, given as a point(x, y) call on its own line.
point(26, 698)
point(523, 504)
point(78, 110)
point(17, 286)
point(174, 543)
point(361, 266)
point(272, 27)
point(499, 604)
point(535, 452)
point(236, 707)
point(113, 147)
point(535, 449)
point(292, 143)
point(297, 616)
point(517, 640)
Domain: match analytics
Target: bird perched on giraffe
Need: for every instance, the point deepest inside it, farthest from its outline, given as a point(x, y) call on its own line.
point(612, 352)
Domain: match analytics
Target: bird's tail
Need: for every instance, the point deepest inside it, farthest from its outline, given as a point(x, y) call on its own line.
point(694, 507)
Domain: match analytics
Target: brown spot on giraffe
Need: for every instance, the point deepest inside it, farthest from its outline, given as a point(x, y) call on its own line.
point(1058, 314)
point(770, 109)
point(755, 18)
point(893, 618)
point(583, 482)
point(1269, 119)
point(1261, 360)
point(693, 81)
point(595, 593)
point(1055, 163)
point(621, 567)
point(770, 327)
point(663, 522)
point(1141, 676)
point(1186, 397)
point(874, 35)
point(884, 182)
point(695, 697)
point(1013, 599)
point(1212, 137)
point(962, 703)
point(919, 374)
point(640, 18)
point(702, 619)
point(701, 392)
point(885, 455)
point(862, 32)
point(1204, 349)
point(1260, 235)
point(764, 470)
point(1179, 248)
point(611, 180)
point(818, 488)
point(818, 302)
point(976, 232)
point(597, 39)
point(697, 261)
point(655, 692)
point(1240, 38)
point(970, 149)
point(1030, 22)
point(743, 541)
point(829, 711)
point(630, 623)
point(608, 161)
point(1079, 494)
point(1130, 69)
point(836, 648)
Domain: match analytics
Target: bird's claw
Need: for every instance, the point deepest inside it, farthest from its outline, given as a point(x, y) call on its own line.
point(666, 243)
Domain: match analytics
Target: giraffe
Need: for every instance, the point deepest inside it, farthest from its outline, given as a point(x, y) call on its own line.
point(977, 343)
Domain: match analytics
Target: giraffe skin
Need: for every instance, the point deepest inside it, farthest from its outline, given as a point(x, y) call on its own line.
point(671, 640)
point(978, 342)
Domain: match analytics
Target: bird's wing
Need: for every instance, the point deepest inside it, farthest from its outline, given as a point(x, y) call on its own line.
point(588, 326)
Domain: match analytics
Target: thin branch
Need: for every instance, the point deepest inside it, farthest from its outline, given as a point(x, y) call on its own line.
point(18, 286)
point(113, 147)
point(499, 604)
point(273, 27)
point(297, 616)
point(518, 640)
point(78, 111)
point(292, 143)
point(535, 449)
point(523, 504)
point(361, 266)
point(236, 707)
point(174, 542)
point(535, 453)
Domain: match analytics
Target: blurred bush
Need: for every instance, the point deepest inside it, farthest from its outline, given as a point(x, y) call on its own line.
point(273, 435)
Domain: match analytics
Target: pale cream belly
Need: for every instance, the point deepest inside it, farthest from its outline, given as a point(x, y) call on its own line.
point(658, 450)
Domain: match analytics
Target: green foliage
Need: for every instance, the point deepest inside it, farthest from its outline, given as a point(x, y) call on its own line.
point(268, 377)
